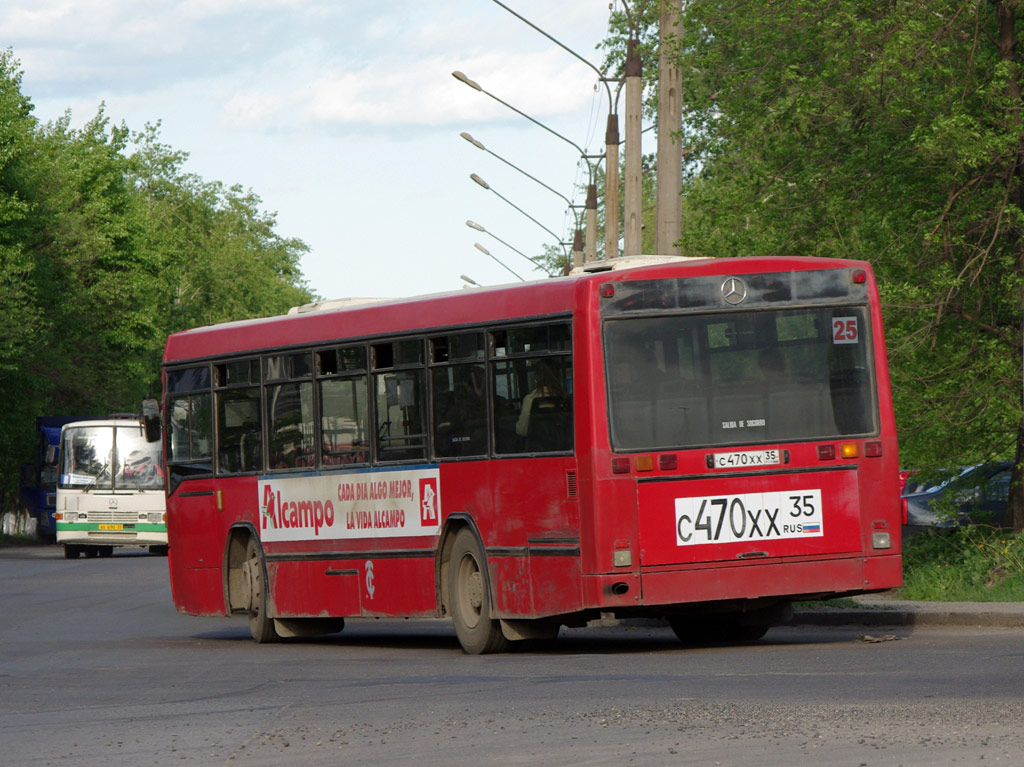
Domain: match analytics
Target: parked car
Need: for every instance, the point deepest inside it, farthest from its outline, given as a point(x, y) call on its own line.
point(977, 495)
point(905, 475)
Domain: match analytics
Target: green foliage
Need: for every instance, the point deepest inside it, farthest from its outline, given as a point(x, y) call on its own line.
point(886, 132)
point(106, 247)
point(975, 563)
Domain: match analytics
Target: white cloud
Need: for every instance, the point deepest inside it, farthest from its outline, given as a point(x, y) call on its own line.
point(339, 113)
point(422, 92)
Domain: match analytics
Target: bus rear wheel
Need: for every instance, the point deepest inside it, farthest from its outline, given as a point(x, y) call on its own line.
point(71, 551)
point(261, 625)
point(478, 633)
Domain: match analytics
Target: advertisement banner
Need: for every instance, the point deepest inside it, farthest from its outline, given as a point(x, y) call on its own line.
point(373, 504)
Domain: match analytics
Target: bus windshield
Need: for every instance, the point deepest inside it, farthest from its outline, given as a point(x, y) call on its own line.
point(110, 458)
point(697, 380)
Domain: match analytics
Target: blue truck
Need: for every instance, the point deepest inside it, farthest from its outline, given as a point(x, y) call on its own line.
point(38, 485)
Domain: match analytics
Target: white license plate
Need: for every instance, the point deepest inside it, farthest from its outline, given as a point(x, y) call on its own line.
point(742, 459)
point(749, 517)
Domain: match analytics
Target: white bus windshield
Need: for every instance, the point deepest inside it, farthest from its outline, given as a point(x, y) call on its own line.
point(739, 377)
point(110, 458)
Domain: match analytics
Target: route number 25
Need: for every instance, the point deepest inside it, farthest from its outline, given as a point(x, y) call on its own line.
point(844, 330)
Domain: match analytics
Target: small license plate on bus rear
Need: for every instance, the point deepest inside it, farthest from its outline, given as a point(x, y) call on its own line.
point(745, 458)
point(111, 527)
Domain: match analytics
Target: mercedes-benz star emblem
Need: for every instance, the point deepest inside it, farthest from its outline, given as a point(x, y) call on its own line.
point(734, 290)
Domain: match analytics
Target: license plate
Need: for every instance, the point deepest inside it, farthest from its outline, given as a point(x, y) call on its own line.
point(111, 527)
point(748, 517)
point(743, 459)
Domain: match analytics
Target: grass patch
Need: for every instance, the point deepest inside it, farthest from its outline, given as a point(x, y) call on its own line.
point(976, 563)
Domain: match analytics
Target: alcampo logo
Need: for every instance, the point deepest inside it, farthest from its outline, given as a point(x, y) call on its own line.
point(428, 502)
point(283, 514)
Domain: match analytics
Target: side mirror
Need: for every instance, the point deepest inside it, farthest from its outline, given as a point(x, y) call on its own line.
point(151, 419)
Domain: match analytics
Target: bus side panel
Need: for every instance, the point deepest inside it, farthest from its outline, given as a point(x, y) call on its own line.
point(510, 580)
point(398, 587)
point(532, 518)
point(196, 591)
point(305, 590)
point(557, 582)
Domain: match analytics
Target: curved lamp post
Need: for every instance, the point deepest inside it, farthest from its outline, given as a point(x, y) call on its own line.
point(611, 140)
point(486, 252)
point(479, 228)
point(568, 202)
point(591, 246)
point(488, 187)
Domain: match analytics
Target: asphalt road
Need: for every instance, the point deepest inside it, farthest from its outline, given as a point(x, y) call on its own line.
point(97, 668)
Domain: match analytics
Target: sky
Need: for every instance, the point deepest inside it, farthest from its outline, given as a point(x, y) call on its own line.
point(344, 118)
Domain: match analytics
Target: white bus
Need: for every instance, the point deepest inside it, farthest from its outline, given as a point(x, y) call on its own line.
point(110, 489)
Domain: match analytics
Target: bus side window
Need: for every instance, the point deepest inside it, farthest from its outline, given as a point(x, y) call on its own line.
point(344, 421)
point(400, 399)
point(538, 415)
point(459, 410)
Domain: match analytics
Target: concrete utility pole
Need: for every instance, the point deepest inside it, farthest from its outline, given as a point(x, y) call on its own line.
point(591, 221)
point(611, 157)
point(668, 209)
point(577, 249)
point(633, 243)
point(611, 184)
point(583, 154)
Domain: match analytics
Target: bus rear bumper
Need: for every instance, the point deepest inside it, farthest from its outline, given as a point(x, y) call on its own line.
point(782, 579)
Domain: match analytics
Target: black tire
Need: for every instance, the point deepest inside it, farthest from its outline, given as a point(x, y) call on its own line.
point(261, 625)
point(71, 551)
point(105, 551)
point(160, 551)
point(90, 551)
point(720, 630)
point(469, 598)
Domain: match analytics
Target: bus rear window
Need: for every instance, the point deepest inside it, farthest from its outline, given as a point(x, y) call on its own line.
point(734, 378)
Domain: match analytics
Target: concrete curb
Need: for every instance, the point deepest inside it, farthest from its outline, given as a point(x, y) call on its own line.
point(904, 618)
point(882, 611)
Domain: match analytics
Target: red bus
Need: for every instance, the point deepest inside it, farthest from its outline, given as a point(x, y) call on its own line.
point(702, 440)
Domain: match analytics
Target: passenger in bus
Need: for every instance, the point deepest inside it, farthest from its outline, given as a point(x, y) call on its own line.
point(543, 415)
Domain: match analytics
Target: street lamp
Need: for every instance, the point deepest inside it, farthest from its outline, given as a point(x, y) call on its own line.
point(479, 228)
point(486, 252)
point(611, 140)
point(478, 145)
point(591, 246)
point(568, 202)
point(488, 187)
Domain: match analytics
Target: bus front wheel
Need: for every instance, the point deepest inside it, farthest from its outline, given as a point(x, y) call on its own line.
point(261, 626)
point(470, 601)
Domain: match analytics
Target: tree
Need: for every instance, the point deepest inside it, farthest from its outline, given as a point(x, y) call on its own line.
point(106, 247)
point(889, 132)
point(19, 331)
